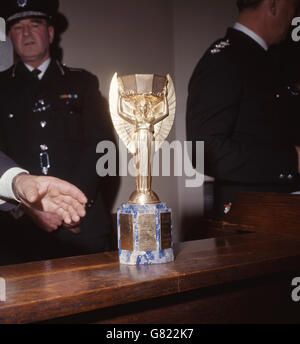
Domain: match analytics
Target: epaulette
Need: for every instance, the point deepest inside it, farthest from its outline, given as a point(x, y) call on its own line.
point(218, 47)
point(63, 68)
point(75, 69)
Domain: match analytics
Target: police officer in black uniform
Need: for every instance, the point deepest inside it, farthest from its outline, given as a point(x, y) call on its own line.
point(51, 120)
point(239, 107)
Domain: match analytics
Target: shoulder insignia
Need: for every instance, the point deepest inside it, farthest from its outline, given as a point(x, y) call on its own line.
point(75, 69)
point(217, 48)
point(61, 68)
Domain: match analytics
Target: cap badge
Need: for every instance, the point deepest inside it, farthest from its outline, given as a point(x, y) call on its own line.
point(227, 208)
point(22, 3)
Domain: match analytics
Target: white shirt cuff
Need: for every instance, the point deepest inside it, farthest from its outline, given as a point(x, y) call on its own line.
point(6, 191)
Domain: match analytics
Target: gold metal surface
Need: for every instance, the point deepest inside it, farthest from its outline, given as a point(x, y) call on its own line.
point(147, 232)
point(143, 111)
point(165, 233)
point(143, 197)
point(126, 231)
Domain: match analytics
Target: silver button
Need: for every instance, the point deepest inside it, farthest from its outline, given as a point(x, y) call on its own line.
point(277, 96)
point(45, 171)
point(282, 176)
point(290, 177)
point(11, 115)
point(44, 147)
point(43, 124)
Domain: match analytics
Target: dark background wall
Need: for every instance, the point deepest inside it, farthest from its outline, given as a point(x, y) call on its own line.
point(138, 36)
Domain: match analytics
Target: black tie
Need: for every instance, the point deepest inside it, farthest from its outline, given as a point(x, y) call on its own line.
point(36, 73)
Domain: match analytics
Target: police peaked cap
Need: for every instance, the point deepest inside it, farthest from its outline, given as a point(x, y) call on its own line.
point(12, 10)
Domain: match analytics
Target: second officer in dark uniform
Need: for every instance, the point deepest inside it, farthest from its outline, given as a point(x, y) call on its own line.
point(239, 107)
point(51, 120)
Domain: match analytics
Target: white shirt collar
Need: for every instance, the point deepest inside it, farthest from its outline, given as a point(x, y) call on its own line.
point(251, 34)
point(43, 67)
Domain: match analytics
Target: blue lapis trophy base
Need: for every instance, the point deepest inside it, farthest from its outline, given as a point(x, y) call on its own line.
point(145, 234)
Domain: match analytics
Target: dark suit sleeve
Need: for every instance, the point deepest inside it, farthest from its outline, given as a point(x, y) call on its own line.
point(5, 163)
point(215, 93)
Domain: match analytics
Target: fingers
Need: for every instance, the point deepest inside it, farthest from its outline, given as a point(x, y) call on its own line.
point(65, 215)
point(74, 208)
point(52, 195)
point(66, 196)
point(73, 227)
point(68, 189)
point(74, 230)
point(50, 229)
point(71, 213)
point(79, 208)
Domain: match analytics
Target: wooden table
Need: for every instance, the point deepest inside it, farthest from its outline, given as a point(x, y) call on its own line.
point(235, 279)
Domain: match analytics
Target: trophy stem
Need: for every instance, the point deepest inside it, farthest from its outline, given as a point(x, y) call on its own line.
point(143, 158)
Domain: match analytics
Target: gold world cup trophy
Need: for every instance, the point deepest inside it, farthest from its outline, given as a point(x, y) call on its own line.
point(143, 111)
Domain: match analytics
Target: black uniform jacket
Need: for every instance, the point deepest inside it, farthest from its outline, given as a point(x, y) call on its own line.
point(238, 106)
point(53, 126)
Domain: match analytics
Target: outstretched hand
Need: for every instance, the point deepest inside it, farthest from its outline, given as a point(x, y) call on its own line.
point(52, 195)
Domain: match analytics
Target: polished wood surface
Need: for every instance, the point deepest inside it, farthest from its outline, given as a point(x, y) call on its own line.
point(97, 283)
point(265, 213)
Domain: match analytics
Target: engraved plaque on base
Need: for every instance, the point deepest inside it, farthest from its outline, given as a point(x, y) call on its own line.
point(152, 234)
point(166, 238)
point(126, 232)
point(147, 232)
